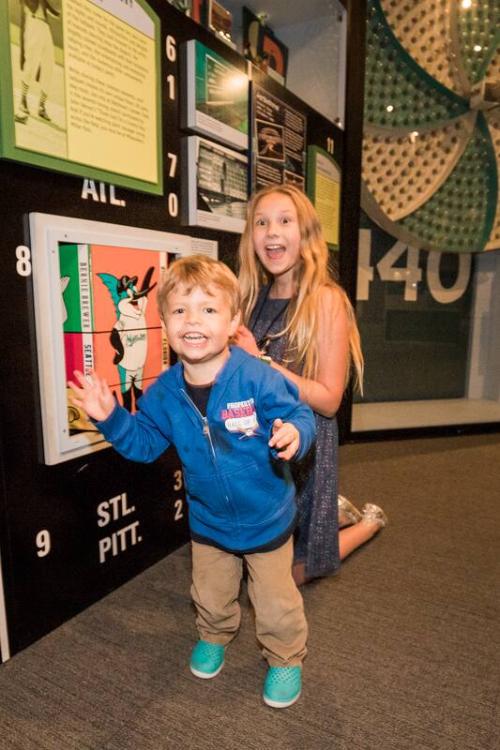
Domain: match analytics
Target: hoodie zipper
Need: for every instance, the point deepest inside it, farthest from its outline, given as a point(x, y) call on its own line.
point(204, 420)
point(208, 435)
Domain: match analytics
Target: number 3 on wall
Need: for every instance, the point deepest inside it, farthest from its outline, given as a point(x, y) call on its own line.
point(411, 273)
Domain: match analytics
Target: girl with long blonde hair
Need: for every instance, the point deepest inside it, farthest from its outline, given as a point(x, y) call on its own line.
point(299, 320)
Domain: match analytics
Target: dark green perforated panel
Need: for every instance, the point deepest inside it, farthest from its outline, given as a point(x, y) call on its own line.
point(431, 150)
point(460, 214)
point(478, 29)
point(394, 80)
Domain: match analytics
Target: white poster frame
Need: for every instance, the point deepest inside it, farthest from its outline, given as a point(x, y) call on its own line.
point(4, 632)
point(47, 231)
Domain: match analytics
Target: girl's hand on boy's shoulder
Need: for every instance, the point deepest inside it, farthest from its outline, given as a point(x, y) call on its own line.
point(285, 439)
point(244, 338)
point(92, 395)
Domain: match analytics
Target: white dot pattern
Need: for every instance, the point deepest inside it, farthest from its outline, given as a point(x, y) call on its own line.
point(421, 149)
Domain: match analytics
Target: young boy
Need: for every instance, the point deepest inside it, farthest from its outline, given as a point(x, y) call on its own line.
point(235, 423)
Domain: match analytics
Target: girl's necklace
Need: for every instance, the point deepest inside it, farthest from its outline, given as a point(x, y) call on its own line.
point(265, 338)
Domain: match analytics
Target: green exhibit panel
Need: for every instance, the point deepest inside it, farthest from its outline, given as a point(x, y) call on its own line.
point(96, 202)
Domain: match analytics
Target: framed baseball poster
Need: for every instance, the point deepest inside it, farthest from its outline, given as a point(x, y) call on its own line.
point(95, 308)
point(80, 89)
point(215, 102)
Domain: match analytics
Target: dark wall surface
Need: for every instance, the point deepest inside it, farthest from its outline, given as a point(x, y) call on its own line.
point(54, 518)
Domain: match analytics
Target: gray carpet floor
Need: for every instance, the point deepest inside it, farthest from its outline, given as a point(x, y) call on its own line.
point(403, 649)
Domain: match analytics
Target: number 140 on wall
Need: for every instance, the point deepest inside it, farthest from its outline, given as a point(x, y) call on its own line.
point(410, 274)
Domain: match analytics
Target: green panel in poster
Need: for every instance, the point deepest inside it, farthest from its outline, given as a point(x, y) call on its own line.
point(70, 287)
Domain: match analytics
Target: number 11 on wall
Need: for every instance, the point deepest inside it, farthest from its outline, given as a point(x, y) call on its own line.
point(410, 274)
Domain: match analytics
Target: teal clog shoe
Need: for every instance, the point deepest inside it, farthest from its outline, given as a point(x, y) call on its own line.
point(207, 659)
point(282, 686)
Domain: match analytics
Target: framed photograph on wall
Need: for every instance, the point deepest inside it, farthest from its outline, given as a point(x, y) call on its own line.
point(323, 188)
point(215, 185)
point(94, 287)
point(279, 134)
point(215, 101)
point(263, 48)
point(220, 21)
point(198, 11)
point(92, 111)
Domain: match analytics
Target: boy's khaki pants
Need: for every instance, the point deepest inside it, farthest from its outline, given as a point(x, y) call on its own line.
point(281, 625)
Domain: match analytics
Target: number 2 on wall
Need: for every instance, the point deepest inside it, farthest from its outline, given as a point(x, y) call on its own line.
point(179, 507)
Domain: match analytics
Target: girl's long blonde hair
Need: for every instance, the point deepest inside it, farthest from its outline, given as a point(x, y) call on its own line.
point(311, 276)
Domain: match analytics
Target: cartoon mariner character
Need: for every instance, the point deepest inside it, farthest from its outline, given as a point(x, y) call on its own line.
point(129, 337)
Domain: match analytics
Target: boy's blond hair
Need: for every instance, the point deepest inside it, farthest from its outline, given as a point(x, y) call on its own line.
point(199, 271)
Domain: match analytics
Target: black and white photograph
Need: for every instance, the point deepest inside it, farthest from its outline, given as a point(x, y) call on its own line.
point(215, 188)
point(38, 79)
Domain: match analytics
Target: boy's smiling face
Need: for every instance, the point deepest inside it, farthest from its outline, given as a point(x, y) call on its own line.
point(199, 325)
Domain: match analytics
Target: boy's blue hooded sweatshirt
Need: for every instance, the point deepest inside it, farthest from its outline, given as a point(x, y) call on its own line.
point(240, 496)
